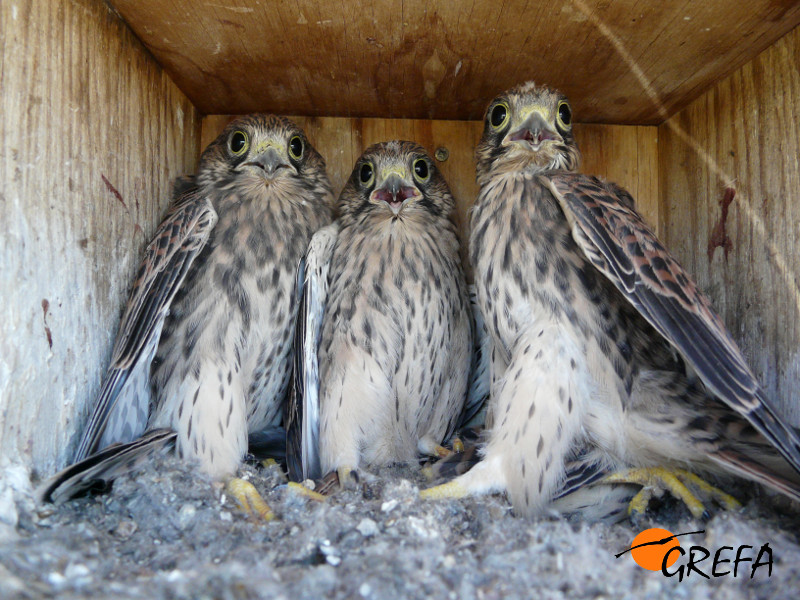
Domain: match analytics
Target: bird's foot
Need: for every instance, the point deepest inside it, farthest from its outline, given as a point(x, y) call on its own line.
point(485, 477)
point(250, 501)
point(301, 490)
point(345, 478)
point(429, 446)
point(451, 489)
point(442, 452)
point(655, 480)
point(348, 478)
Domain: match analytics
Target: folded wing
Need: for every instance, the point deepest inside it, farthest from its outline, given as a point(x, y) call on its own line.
point(622, 246)
point(122, 409)
point(302, 411)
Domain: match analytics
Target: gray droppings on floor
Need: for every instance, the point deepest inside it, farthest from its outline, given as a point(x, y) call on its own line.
point(167, 532)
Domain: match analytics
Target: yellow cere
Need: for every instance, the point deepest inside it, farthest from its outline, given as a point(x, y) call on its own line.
point(270, 143)
point(399, 170)
point(543, 111)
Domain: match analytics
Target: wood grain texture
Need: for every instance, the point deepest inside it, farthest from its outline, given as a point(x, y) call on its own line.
point(91, 133)
point(439, 59)
point(625, 154)
point(744, 135)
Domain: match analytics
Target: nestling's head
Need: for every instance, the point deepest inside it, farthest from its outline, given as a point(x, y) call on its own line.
point(527, 127)
point(257, 152)
point(397, 180)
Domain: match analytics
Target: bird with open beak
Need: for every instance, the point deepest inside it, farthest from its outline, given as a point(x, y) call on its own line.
point(396, 341)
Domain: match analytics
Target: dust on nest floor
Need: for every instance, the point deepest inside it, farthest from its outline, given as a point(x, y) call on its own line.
point(167, 532)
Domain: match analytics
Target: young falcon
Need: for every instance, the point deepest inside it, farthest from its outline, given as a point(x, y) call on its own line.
point(301, 416)
point(396, 342)
point(606, 353)
point(203, 349)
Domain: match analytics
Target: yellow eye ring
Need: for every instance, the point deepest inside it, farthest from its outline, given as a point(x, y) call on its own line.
point(366, 174)
point(564, 115)
point(421, 171)
point(499, 116)
point(296, 147)
point(238, 142)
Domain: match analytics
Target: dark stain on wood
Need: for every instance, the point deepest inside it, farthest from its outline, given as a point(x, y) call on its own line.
point(231, 23)
point(48, 333)
point(719, 235)
point(114, 191)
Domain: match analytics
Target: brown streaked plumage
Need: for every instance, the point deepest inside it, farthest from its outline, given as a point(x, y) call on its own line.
point(203, 346)
point(396, 344)
point(606, 355)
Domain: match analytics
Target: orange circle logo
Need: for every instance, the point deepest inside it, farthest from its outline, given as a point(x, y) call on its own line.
point(649, 548)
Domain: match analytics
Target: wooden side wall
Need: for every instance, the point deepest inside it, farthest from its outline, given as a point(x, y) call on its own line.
point(730, 196)
point(91, 133)
point(626, 154)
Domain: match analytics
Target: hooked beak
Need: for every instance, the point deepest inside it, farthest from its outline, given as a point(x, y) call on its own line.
point(533, 132)
point(271, 162)
point(395, 191)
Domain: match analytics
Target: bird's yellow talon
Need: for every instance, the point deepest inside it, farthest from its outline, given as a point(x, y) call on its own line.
point(458, 445)
point(725, 500)
point(638, 504)
point(301, 490)
point(675, 481)
point(348, 478)
point(451, 489)
point(441, 451)
point(250, 501)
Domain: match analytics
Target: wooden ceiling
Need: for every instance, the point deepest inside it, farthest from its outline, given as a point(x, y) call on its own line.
point(620, 61)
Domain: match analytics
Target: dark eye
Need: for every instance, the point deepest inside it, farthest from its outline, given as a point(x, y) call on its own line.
point(499, 116)
point(421, 169)
point(365, 174)
point(296, 147)
point(564, 114)
point(238, 142)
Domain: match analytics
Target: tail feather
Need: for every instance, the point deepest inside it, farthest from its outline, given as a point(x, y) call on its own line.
point(784, 437)
point(596, 503)
point(739, 464)
point(579, 474)
point(98, 471)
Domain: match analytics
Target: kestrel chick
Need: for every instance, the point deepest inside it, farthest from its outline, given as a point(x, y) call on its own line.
point(204, 344)
point(396, 342)
point(606, 355)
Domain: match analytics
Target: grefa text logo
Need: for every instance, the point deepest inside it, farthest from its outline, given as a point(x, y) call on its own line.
point(657, 550)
